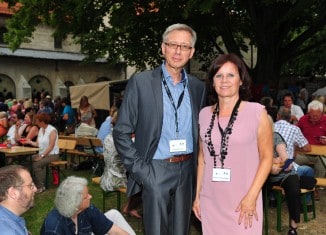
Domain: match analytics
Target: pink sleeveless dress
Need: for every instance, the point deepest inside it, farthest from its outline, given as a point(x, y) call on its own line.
point(219, 200)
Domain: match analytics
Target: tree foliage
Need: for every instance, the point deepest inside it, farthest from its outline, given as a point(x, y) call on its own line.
point(288, 34)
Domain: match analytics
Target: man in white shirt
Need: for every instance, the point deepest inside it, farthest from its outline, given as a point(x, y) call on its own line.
point(15, 123)
point(86, 130)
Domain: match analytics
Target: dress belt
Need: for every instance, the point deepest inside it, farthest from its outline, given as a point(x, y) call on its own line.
point(179, 158)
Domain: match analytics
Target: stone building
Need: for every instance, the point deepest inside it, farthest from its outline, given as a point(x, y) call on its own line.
point(47, 65)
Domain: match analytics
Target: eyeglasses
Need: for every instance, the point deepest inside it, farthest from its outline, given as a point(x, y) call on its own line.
point(174, 46)
point(31, 186)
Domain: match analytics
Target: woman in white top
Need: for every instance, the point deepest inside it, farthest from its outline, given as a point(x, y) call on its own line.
point(47, 142)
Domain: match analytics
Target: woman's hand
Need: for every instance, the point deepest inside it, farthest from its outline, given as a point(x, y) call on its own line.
point(275, 170)
point(196, 208)
point(277, 160)
point(247, 209)
point(18, 124)
point(37, 158)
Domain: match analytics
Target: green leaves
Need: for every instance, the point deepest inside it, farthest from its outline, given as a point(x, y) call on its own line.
point(131, 31)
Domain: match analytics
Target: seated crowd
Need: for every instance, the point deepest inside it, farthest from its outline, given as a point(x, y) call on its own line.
point(39, 124)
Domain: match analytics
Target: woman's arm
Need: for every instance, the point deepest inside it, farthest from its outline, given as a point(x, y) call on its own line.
point(282, 156)
point(78, 114)
point(247, 206)
point(65, 117)
point(200, 173)
point(94, 114)
point(33, 132)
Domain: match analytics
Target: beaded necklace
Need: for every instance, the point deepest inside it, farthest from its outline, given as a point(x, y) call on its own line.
point(224, 135)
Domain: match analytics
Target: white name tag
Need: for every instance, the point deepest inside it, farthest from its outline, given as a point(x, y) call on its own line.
point(220, 174)
point(178, 146)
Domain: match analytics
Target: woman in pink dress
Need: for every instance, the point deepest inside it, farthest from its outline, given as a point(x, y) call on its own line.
point(235, 153)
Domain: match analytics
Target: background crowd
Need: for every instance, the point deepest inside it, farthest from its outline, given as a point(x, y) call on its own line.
point(156, 153)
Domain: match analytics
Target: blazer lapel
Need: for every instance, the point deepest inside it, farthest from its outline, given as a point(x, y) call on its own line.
point(157, 94)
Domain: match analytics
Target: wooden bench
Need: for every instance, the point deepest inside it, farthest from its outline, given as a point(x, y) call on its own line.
point(321, 182)
point(108, 194)
point(279, 198)
point(86, 142)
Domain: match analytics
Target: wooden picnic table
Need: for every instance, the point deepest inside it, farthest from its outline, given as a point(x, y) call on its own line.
point(19, 151)
point(317, 151)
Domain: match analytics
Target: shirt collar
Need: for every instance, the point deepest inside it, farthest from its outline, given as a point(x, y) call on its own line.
point(168, 76)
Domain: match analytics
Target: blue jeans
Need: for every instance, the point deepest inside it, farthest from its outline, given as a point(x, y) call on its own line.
point(306, 171)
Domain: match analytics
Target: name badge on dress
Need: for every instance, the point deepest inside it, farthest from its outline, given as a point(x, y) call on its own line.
point(221, 175)
point(178, 146)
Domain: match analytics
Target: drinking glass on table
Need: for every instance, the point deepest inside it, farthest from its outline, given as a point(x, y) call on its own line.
point(23, 141)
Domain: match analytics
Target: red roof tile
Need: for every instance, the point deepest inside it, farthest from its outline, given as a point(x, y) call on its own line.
point(5, 10)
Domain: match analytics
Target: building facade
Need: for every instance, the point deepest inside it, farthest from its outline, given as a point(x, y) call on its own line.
point(47, 65)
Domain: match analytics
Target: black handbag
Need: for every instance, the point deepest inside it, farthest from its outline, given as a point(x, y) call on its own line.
point(307, 182)
point(70, 129)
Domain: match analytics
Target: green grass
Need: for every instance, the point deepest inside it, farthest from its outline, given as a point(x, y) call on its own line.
point(44, 203)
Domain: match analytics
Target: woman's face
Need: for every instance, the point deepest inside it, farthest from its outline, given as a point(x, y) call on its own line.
point(39, 123)
point(27, 119)
point(227, 80)
point(86, 200)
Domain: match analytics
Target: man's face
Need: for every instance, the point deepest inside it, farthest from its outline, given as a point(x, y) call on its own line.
point(4, 122)
point(315, 115)
point(13, 118)
point(287, 101)
point(27, 191)
point(178, 57)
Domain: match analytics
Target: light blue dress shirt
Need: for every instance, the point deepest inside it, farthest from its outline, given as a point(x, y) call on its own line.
point(11, 224)
point(184, 117)
point(104, 130)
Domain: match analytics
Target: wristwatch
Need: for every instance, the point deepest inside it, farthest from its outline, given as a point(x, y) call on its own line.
point(42, 155)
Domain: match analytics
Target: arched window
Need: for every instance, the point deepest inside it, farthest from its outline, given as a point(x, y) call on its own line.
point(7, 87)
point(40, 84)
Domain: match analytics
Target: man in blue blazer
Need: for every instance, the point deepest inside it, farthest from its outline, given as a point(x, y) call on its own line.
point(161, 108)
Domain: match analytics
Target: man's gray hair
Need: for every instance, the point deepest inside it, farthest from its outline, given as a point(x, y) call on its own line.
point(284, 113)
point(181, 27)
point(69, 195)
point(315, 105)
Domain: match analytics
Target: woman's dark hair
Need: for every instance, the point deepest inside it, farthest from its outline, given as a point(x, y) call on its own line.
point(244, 92)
